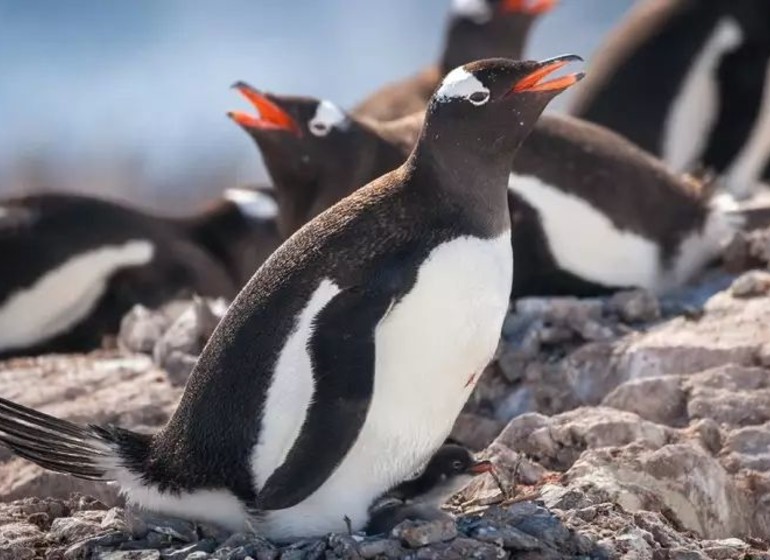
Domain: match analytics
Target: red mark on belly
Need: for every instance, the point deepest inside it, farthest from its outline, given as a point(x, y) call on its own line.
point(470, 381)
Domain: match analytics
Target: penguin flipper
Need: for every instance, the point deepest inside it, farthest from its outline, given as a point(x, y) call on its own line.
point(342, 351)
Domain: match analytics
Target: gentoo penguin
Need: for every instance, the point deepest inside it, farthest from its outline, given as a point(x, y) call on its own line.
point(74, 265)
point(303, 141)
point(340, 368)
point(580, 199)
point(448, 471)
point(689, 81)
point(476, 29)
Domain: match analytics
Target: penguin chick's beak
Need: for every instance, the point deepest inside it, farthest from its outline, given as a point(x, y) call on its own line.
point(270, 116)
point(533, 82)
point(480, 467)
point(529, 7)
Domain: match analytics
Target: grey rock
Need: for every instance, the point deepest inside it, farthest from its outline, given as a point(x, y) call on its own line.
point(506, 537)
point(725, 549)
point(751, 284)
point(179, 529)
point(206, 546)
point(373, 548)
point(182, 342)
point(635, 306)
point(198, 556)
point(461, 548)
point(421, 533)
point(71, 529)
point(658, 399)
point(129, 555)
point(141, 328)
point(686, 554)
point(83, 548)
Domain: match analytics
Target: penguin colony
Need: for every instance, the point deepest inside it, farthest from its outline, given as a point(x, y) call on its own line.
point(326, 394)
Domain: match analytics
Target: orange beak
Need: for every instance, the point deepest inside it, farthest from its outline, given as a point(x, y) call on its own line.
point(529, 7)
point(534, 81)
point(480, 467)
point(270, 116)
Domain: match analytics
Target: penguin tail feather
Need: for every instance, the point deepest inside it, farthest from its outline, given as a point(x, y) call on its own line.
point(88, 452)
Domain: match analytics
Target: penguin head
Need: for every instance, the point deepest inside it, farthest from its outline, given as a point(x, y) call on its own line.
point(487, 28)
point(455, 460)
point(488, 107)
point(452, 468)
point(312, 149)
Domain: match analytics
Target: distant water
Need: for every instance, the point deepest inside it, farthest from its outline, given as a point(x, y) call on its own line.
point(129, 98)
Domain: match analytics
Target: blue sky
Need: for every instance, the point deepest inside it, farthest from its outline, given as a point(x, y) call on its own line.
point(83, 81)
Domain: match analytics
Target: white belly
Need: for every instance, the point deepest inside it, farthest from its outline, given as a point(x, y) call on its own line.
point(694, 111)
point(430, 349)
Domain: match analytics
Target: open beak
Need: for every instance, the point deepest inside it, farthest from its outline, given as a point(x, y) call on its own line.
point(529, 7)
point(535, 80)
point(269, 115)
point(480, 467)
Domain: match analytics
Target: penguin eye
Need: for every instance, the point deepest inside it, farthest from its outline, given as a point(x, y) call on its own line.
point(319, 129)
point(457, 465)
point(479, 97)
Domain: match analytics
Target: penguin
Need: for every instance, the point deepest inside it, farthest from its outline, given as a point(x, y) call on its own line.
point(448, 471)
point(339, 369)
point(476, 29)
point(299, 138)
point(75, 264)
point(689, 81)
point(580, 198)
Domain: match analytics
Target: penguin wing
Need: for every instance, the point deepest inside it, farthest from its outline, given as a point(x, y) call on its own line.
point(342, 350)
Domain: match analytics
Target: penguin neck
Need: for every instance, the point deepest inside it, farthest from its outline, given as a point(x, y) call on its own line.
point(474, 180)
point(504, 36)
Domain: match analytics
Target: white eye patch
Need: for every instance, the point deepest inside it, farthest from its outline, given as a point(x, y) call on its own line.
point(327, 116)
point(461, 84)
point(478, 11)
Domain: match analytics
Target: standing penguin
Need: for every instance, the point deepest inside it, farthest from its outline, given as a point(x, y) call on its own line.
point(689, 81)
point(340, 368)
point(74, 265)
point(477, 29)
point(580, 198)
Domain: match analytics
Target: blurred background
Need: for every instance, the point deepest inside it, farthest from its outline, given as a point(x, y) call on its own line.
point(128, 99)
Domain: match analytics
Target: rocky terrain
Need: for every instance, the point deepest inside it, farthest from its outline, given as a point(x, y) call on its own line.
point(623, 427)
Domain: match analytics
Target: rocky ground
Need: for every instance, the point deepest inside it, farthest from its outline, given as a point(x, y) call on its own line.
point(624, 427)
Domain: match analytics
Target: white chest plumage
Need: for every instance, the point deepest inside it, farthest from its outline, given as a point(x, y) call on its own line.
point(430, 348)
point(694, 110)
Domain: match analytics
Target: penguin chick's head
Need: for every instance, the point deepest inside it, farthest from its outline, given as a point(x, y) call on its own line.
point(488, 107)
point(309, 146)
point(487, 28)
point(450, 469)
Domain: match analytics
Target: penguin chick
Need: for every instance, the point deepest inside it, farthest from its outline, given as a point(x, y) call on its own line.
point(447, 472)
